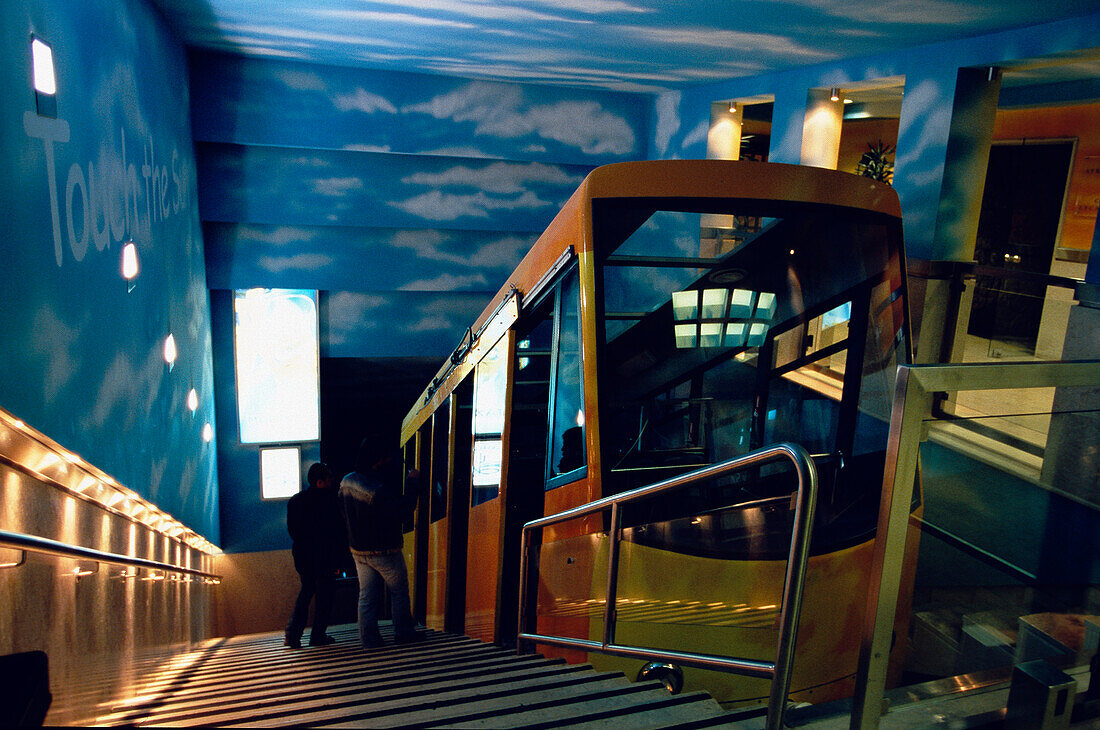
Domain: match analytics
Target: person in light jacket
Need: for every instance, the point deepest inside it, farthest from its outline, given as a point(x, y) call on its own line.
point(374, 510)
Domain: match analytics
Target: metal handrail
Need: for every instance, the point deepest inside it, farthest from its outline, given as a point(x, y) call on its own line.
point(778, 671)
point(45, 545)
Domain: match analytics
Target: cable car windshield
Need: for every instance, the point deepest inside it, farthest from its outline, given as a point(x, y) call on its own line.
point(728, 329)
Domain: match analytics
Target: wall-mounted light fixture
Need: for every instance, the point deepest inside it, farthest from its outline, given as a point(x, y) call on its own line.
point(834, 94)
point(83, 568)
point(45, 78)
point(130, 266)
point(170, 351)
point(733, 107)
point(192, 400)
point(207, 433)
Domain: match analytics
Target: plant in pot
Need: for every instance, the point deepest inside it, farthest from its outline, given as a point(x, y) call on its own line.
point(876, 164)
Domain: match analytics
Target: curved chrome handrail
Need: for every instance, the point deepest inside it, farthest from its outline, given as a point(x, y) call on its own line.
point(778, 671)
point(45, 545)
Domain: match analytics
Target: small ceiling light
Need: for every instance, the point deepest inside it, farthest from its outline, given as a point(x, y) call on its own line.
point(170, 351)
point(130, 265)
point(45, 81)
point(834, 95)
point(207, 433)
point(192, 400)
point(847, 100)
point(733, 107)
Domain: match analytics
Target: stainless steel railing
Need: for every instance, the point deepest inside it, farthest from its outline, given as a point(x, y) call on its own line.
point(915, 392)
point(778, 671)
point(34, 543)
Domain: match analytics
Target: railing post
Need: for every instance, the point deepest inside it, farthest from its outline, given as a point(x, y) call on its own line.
point(609, 613)
point(912, 404)
point(793, 584)
point(522, 619)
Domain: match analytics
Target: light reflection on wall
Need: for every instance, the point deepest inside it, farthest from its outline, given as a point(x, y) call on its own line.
point(47, 461)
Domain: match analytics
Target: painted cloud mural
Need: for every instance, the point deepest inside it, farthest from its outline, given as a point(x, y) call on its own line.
point(348, 108)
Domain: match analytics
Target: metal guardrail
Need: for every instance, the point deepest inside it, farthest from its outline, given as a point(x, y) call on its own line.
point(914, 395)
point(778, 671)
point(37, 544)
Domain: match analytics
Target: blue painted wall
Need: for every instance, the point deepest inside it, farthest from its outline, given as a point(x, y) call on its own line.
point(405, 199)
point(82, 356)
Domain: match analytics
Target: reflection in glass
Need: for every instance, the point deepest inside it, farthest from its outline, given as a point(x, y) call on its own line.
point(486, 469)
point(489, 390)
point(567, 452)
point(490, 387)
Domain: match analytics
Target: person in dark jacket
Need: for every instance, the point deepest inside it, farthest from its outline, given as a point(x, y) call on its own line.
point(374, 509)
point(315, 526)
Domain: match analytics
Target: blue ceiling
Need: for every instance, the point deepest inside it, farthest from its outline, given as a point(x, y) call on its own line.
point(629, 45)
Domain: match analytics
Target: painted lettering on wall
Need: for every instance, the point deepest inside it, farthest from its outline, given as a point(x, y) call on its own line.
point(117, 200)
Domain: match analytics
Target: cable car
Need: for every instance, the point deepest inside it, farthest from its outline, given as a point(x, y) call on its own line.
point(674, 314)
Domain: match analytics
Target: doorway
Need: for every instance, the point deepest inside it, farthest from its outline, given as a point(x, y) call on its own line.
point(1018, 228)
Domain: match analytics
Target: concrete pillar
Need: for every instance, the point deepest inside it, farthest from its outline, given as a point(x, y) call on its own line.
point(788, 117)
point(944, 136)
point(821, 130)
point(973, 114)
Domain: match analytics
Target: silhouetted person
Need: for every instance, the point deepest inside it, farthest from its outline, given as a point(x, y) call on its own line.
point(313, 520)
point(374, 509)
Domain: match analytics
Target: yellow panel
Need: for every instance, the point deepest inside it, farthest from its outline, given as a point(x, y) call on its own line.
point(437, 574)
point(481, 569)
point(731, 607)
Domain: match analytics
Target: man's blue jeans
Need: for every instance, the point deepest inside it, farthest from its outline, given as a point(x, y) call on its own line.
point(374, 570)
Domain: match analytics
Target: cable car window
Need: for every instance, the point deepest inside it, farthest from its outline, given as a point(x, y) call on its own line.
point(798, 410)
point(441, 423)
point(490, 383)
point(683, 332)
point(407, 483)
point(567, 450)
point(730, 328)
point(528, 430)
point(885, 342)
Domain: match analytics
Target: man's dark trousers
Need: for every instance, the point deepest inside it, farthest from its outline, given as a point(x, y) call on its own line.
point(321, 583)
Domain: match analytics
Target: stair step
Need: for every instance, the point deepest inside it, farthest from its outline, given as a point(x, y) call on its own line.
point(443, 681)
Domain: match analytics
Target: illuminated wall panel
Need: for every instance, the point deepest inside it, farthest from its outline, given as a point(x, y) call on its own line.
point(277, 360)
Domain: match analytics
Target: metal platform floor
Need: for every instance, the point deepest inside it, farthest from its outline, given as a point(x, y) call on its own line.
point(443, 681)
